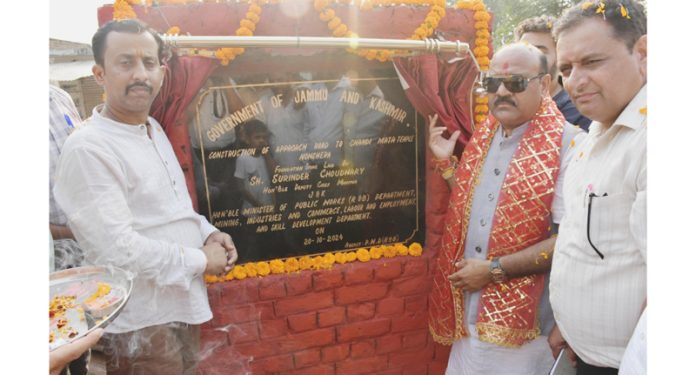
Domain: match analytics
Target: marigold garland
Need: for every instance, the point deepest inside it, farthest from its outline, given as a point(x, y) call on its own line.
point(339, 29)
point(481, 50)
point(317, 262)
point(123, 10)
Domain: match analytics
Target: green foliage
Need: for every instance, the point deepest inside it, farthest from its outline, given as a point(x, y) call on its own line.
point(508, 13)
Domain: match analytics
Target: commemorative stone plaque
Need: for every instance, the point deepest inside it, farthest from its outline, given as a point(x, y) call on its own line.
point(296, 164)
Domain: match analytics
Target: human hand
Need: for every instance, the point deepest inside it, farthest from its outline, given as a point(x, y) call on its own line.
point(225, 240)
point(472, 274)
point(216, 258)
point(557, 342)
point(67, 353)
point(441, 147)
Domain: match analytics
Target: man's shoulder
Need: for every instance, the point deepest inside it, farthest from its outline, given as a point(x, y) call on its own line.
point(86, 135)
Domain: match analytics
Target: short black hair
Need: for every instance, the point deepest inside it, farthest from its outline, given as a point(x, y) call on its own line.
point(540, 24)
point(255, 126)
point(132, 26)
point(626, 17)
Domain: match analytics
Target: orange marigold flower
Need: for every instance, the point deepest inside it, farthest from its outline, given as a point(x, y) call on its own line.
point(306, 263)
point(327, 14)
point(209, 279)
point(483, 60)
point(371, 54)
point(481, 42)
point(340, 31)
point(174, 30)
point(263, 268)
point(253, 17)
point(375, 252)
point(250, 269)
point(255, 9)
point(401, 249)
point(390, 251)
point(480, 118)
point(248, 24)
point(329, 259)
point(320, 4)
point(351, 256)
point(483, 33)
point(481, 25)
point(481, 108)
point(292, 265)
point(363, 255)
point(481, 99)
point(239, 273)
point(334, 23)
point(277, 266)
point(481, 16)
point(415, 249)
point(341, 258)
point(479, 6)
point(481, 51)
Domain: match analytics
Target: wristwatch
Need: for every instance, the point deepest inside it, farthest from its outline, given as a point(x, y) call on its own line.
point(496, 271)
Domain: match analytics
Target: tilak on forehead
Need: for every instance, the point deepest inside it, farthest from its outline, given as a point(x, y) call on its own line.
point(506, 66)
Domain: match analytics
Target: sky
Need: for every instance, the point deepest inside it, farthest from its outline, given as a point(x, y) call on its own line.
point(74, 20)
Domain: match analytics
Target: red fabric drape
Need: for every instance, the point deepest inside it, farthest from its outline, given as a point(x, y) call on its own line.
point(438, 86)
point(185, 75)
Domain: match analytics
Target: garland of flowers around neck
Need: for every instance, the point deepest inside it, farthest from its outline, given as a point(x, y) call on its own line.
point(481, 50)
point(339, 29)
point(318, 262)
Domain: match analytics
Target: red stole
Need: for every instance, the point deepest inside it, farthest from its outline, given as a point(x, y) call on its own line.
point(507, 313)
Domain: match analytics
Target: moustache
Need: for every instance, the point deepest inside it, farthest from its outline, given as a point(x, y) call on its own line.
point(504, 99)
point(139, 84)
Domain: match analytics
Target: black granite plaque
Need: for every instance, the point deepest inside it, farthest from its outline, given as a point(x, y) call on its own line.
point(296, 165)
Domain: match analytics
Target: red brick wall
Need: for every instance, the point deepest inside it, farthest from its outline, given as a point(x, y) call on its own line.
point(357, 318)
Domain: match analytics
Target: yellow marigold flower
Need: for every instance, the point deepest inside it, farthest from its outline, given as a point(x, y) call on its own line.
point(363, 255)
point(483, 60)
point(229, 276)
point(250, 269)
point(482, 100)
point(481, 108)
point(209, 279)
point(327, 15)
point(306, 263)
point(248, 24)
point(239, 273)
point(292, 265)
point(277, 266)
point(334, 23)
point(479, 6)
point(243, 31)
point(480, 118)
point(481, 25)
point(375, 252)
point(320, 4)
point(401, 249)
point(586, 5)
point(329, 259)
point(643, 111)
point(351, 256)
point(390, 251)
point(481, 16)
point(481, 42)
point(483, 33)
point(341, 258)
point(415, 249)
point(253, 17)
point(255, 9)
point(340, 31)
point(263, 268)
point(371, 54)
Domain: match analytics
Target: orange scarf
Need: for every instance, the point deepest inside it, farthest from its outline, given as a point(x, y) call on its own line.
point(507, 313)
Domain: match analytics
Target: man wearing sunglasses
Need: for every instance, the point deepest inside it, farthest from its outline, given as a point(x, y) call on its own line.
point(489, 298)
point(598, 278)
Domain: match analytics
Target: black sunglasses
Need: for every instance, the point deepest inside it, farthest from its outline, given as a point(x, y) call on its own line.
point(514, 83)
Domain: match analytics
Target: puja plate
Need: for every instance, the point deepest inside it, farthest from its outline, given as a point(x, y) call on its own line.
point(83, 299)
